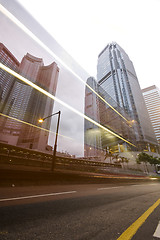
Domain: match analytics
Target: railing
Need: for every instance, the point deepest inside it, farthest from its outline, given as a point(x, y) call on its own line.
point(16, 156)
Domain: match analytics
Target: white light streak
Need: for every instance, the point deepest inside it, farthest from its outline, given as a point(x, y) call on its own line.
point(26, 30)
point(23, 79)
point(31, 125)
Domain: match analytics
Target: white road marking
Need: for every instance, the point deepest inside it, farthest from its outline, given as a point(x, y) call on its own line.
point(153, 184)
point(135, 185)
point(36, 196)
point(99, 189)
point(138, 185)
point(61, 193)
point(142, 185)
point(157, 232)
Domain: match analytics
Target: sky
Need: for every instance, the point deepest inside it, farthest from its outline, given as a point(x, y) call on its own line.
point(85, 27)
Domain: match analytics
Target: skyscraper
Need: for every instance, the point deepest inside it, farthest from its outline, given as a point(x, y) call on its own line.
point(9, 131)
point(6, 80)
point(105, 110)
point(152, 99)
point(92, 134)
point(117, 76)
point(37, 104)
point(22, 102)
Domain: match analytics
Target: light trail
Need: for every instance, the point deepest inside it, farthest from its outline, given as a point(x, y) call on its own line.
point(25, 80)
point(32, 125)
point(26, 30)
point(108, 188)
point(36, 196)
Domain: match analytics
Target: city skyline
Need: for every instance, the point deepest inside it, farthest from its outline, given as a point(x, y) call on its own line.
point(79, 151)
point(72, 78)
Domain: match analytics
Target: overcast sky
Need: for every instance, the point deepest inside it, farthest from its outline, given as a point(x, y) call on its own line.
point(85, 27)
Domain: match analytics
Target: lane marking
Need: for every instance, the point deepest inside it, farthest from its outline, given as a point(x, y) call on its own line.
point(59, 193)
point(153, 184)
point(131, 231)
point(157, 232)
point(99, 189)
point(36, 196)
point(139, 185)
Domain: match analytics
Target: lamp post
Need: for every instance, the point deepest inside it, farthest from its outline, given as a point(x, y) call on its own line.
point(55, 144)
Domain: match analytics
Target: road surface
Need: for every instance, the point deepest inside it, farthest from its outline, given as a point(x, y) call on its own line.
point(81, 212)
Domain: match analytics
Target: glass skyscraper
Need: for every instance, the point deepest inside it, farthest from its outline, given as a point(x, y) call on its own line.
point(152, 99)
point(102, 108)
point(117, 76)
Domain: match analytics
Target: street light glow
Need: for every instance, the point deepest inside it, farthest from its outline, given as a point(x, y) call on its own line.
point(41, 120)
point(46, 130)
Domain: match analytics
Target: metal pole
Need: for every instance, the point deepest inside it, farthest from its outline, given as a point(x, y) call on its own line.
point(50, 115)
point(55, 144)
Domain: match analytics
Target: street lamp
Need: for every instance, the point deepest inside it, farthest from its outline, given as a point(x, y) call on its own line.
point(55, 144)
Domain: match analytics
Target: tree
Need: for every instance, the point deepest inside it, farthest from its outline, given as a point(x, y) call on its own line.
point(154, 161)
point(145, 158)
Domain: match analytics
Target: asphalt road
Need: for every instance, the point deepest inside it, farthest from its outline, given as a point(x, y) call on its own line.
point(79, 212)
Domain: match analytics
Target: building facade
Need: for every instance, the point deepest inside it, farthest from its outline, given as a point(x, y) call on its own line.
point(152, 99)
point(26, 104)
point(92, 134)
point(9, 130)
point(6, 80)
point(102, 108)
point(117, 76)
point(38, 104)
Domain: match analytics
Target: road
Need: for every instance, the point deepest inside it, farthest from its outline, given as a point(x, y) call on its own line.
point(80, 212)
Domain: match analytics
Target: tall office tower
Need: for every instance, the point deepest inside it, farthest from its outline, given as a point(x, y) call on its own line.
point(117, 76)
point(152, 99)
point(92, 135)
point(26, 104)
point(103, 109)
point(38, 105)
point(7, 81)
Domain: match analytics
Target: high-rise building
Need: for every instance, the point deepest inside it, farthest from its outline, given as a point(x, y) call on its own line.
point(92, 134)
point(6, 79)
point(117, 76)
point(104, 109)
point(25, 103)
point(38, 105)
point(9, 131)
point(152, 99)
